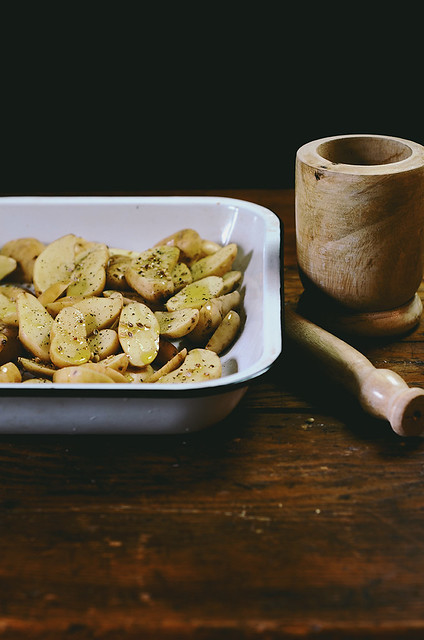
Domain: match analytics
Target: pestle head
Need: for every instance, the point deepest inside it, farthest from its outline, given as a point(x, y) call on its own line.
point(407, 413)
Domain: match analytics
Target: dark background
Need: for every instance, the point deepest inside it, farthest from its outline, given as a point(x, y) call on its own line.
point(119, 104)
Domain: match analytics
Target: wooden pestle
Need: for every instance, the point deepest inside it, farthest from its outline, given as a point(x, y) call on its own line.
point(381, 392)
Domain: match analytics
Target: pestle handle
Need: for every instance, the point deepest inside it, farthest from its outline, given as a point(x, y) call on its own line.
point(381, 392)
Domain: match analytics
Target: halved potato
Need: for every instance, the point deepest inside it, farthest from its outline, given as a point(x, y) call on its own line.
point(9, 372)
point(67, 301)
point(7, 265)
point(195, 295)
point(181, 276)
point(200, 365)
point(8, 311)
point(81, 375)
point(225, 333)
point(45, 369)
point(53, 292)
point(138, 332)
point(231, 279)
point(55, 263)
point(118, 361)
point(25, 251)
point(176, 324)
point(35, 324)
point(88, 277)
point(103, 343)
point(169, 366)
point(9, 343)
point(151, 273)
point(69, 346)
point(188, 242)
point(211, 315)
point(215, 264)
point(115, 375)
point(115, 271)
point(99, 313)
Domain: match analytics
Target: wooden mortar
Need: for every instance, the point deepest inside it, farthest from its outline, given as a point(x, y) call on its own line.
point(360, 231)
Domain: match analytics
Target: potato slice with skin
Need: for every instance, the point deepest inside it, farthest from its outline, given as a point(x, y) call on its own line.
point(115, 271)
point(99, 313)
point(115, 375)
point(103, 344)
point(55, 263)
point(195, 295)
point(169, 366)
point(8, 311)
point(7, 265)
point(9, 372)
point(35, 324)
point(138, 332)
point(118, 361)
point(176, 324)
point(150, 275)
point(9, 343)
point(68, 301)
point(225, 333)
point(139, 374)
point(216, 264)
point(211, 315)
point(181, 276)
point(36, 367)
point(80, 375)
point(69, 346)
point(89, 274)
point(188, 242)
point(53, 292)
point(231, 279)
point(25, 251)
point(200, 365)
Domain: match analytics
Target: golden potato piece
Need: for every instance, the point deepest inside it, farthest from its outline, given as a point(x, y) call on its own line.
point(169, 366)
point(200, 365)
point(215, 264)
point(80, 375)
point(176, 324)
point(231, 279)
point(7, 265)
point(9, 343)
point(225, 333)
point(25, 251)
point(115, 271)
point(53, 292)
point(69, 346)
point(188, 242)
point(211, 315)
point(55, 263)
point(9, 372)
point(34, 325)
point(138, 332)
point(88, 277)
point(45, 369)
point(151, 274)
point(195, 295)
point(103, 343)
point(99, 313)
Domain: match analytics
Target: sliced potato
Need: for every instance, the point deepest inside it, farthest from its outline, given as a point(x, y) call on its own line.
point(231, 279)
point(169, 366)
point(25, 251)
point(215, 264)
point(69, 345)
point(181, 276)
point(176, 324)
point(211, 315)
point(200, 365)
point(188, 242)
point(115, 271)
point(8, 311)
point(139, 374)
point(103, 343)
point(45, 369)
point(118, 361)
point(53, 292)
point(81, 375)
point(35, 324)
point(209, 247)
point(151, 274)
point(9, 343)
point(7, 265)
point(138, 332)
point(99, 313)
point(195, 295)
point(115, 375)
point(9, 372)
point(88, 277)
point(67, 301)
point(225, 333)
point(55, 263)
point(37, 381)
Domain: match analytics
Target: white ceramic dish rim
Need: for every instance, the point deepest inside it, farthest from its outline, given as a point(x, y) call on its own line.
point(272, 313)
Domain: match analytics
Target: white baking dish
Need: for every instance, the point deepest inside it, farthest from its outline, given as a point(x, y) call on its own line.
point(137, 223)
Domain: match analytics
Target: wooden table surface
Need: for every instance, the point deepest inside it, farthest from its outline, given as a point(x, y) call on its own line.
point(299, 516)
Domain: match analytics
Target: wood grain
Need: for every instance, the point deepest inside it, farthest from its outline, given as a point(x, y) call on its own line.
point(299, 516)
